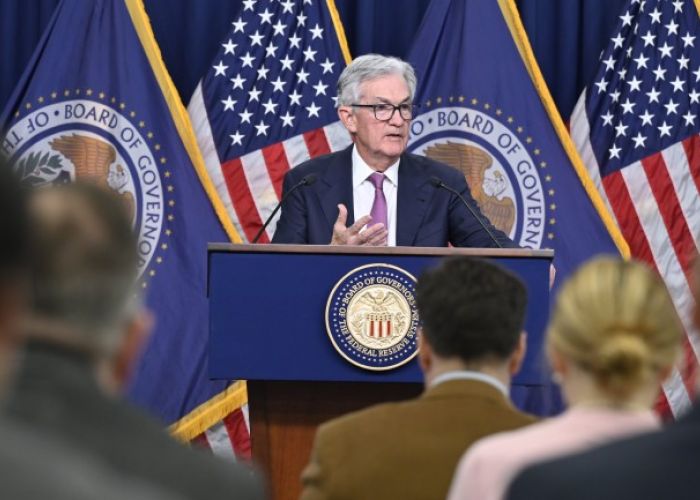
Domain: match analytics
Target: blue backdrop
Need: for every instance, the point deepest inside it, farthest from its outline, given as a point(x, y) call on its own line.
point(567, 35)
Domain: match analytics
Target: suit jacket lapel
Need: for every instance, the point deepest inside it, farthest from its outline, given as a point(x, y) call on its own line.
point(336, 187)
point(414, 193)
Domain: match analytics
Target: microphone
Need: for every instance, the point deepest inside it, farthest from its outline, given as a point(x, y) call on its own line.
point(307, 180)
point(437, 182)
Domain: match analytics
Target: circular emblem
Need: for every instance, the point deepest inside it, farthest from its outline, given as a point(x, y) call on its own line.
point(503, 171)
point(83, 140)
point(371, 317)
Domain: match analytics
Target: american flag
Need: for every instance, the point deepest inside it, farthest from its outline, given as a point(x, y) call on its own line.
point(268, 103)
point(636, 127)
point(228, 438)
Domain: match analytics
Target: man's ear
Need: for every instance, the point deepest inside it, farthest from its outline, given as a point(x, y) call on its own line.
point(137, 331)
point(515, 362)
point(12, 307)
point(425, 353)
point(347, 116)
point(559, 365)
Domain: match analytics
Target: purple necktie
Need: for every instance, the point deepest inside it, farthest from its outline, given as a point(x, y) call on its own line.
point(378, 212)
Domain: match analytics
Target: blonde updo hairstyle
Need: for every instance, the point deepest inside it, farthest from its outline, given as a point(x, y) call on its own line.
point(615, 320)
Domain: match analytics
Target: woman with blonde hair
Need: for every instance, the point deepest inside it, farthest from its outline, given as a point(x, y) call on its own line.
point(613, 338)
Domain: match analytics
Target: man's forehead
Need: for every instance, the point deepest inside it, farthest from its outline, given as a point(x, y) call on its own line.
point(387, 88)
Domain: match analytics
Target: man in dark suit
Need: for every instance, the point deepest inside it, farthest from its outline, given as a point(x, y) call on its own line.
point(31, 466)
point(656, 465)
point(374, 192)
point(471, 344)
point(85, 327)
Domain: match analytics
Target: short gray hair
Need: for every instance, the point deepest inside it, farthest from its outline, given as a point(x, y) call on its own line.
point(85, 264)
point(369, 67)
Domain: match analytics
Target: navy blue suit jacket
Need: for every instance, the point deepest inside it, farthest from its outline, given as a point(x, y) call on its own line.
point(427, 216)
point(656, 465)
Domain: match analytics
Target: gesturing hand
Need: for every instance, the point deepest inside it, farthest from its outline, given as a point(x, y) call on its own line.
point(375, 235)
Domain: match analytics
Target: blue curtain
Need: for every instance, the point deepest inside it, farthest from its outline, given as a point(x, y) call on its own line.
point(567, 35)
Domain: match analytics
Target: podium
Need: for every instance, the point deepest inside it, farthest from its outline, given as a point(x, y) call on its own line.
point(267, 309)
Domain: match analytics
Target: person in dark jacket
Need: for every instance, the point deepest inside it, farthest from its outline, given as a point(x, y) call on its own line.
point(86, 326)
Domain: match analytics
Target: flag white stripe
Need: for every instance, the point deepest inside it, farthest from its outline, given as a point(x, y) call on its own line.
point(678, 399)
point(686, 190)
point(337, 136)
point(260, 184)
point(202, 129)
point(580, 134)
point(296, 150)
point(246, 416)
point(220, 441)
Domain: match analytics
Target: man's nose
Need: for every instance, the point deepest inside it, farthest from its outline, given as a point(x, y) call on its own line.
point(396, 119)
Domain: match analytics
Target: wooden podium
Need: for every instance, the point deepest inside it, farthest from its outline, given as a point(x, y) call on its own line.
point(267, 325)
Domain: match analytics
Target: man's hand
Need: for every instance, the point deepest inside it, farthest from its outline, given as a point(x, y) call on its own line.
point(375, 235)
point(552, 275)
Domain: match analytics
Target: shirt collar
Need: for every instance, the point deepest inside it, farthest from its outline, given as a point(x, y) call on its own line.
point(361, 171)
point(470, 375)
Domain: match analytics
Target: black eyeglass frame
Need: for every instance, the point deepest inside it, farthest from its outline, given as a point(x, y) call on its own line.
point(412, 108)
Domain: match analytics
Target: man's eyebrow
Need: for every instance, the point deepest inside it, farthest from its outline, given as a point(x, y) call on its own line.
point(387, 101)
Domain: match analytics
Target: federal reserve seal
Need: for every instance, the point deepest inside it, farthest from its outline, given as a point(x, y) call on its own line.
point(372, 318)
point(506, 175)
point(63, 139)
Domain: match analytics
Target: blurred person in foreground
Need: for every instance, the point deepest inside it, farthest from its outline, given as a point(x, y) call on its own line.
point(654, 465)
point(85, 327)
point(32, 467)
point(613, 338)
point(471, 343)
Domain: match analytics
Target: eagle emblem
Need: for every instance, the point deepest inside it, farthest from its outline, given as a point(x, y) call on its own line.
point(488, 191)
point(95, 161)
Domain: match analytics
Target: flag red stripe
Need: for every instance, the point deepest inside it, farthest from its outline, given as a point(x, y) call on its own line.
point(670, 209)
point(238, 434)
point(242, 198)
point(627, 218)
point(631, 228)
point(689, 370)
point(662, 407)
point(201, 441)
point(277, 165)
point(317, 143)
point(692, 151)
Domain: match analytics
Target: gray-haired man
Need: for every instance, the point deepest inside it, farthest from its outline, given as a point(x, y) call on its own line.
point(374, 192)
point(85, 328)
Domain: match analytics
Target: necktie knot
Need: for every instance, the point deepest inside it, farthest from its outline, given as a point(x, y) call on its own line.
point(377, 179)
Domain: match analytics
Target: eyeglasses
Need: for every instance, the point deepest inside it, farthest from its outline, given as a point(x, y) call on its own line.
point(385, 112)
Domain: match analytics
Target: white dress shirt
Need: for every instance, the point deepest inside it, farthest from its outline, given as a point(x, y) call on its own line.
point(363, 192)
point(471, 375)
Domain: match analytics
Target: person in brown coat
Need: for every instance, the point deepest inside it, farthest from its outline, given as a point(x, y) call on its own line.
point(471, 343)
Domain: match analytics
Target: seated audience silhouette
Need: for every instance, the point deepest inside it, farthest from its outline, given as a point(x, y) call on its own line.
point(471, 343)
point(34, 466)
point(612, 340)
point(654, 465)
point(85, 328)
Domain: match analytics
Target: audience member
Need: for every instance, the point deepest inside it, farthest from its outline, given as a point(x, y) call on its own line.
point(651, 466)
point(85, 328)
point(612, 340)
point(32, 467)
point(470, 344)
